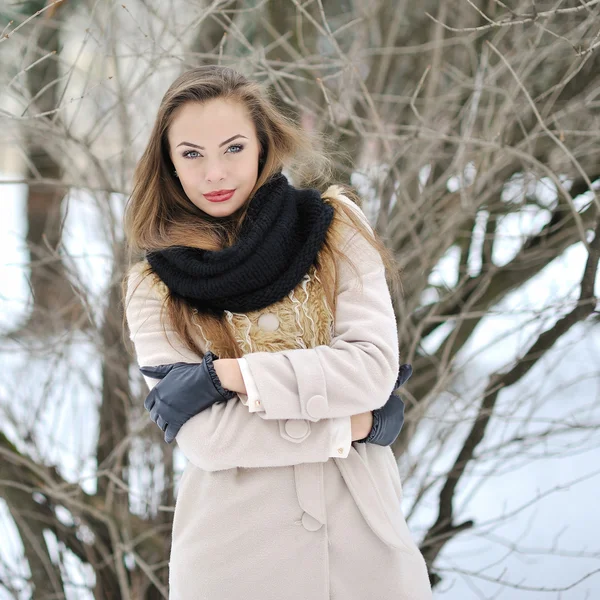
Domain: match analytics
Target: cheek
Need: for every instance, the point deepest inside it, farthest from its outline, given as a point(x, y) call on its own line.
point(189, 182)
point(251, 167)
point(185, 179)
point(183, 165)
point(251, 171)
point(188, 175)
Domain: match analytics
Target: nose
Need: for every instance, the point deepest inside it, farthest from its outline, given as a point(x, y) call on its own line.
point(215, 171)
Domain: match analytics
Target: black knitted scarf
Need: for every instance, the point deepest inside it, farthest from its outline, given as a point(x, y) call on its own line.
point(281, 235)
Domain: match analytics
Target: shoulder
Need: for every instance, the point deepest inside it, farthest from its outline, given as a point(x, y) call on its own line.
point(351, 231)
point(338, 194)
point(143, 283)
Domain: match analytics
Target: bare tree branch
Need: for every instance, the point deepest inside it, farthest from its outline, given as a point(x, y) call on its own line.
point(444, 528)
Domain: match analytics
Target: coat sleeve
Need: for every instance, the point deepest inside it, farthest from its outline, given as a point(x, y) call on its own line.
point(357, 371)
point(226, 435)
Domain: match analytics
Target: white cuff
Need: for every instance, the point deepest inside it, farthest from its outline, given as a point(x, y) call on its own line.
point(341, 437)
point(251, 399)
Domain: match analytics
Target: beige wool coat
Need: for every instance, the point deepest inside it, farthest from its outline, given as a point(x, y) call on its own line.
point(263, 512)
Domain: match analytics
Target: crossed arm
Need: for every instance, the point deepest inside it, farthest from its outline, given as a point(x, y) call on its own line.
point(230, 375)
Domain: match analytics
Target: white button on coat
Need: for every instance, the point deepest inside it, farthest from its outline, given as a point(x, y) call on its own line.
point(317, 407)
point(310, 523)
point(296, 428)
point(268, 322)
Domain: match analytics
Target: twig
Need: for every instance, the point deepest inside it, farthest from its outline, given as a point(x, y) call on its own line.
point(2, 34)
point(521, 586)
point(558, 142)
point(514, 19)
point(416, 93)
point(28, 19)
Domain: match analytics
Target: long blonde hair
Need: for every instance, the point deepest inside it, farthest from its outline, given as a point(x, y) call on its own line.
point(159, 215)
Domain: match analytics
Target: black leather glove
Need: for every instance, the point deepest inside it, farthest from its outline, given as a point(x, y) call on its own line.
point(388, 420)
point(184, 390)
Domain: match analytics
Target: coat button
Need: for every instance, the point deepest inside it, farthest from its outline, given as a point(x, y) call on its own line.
point(317, 407)
point(296, 428)
point(268, 322)
point(310, 523)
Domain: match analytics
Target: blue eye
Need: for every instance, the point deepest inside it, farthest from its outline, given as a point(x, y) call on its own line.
point(240, 146)
point(187, 153)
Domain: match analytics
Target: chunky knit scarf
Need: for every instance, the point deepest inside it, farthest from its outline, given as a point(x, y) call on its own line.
point(280, 238)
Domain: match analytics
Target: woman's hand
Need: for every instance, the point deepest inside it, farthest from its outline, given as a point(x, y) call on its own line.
point(387, 421)
point(361, 425)
point(183, 391)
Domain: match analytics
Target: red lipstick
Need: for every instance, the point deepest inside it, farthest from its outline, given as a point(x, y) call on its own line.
point(219, 195)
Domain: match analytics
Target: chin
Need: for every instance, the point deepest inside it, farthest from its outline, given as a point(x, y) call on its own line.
point(218, 210)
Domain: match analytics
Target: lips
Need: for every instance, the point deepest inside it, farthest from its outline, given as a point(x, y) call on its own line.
point(219, 196)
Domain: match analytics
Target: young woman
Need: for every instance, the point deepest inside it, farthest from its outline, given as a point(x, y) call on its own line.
point(263, 324)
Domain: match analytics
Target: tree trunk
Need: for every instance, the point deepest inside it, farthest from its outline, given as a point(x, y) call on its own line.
point(56, 304)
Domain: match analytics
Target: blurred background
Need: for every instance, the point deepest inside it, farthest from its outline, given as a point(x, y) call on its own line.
point(471, 129)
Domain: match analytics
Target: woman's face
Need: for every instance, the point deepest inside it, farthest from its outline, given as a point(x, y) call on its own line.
point(214, 148)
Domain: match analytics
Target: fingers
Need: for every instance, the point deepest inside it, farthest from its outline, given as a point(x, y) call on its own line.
point(157, 372)
point(406, 370)
point(404, 374)
point(150, 401)
point(152, 406)
point(170, 433)
point(154, 414)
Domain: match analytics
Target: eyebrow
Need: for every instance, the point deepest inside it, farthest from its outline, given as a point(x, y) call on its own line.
point(237, 135)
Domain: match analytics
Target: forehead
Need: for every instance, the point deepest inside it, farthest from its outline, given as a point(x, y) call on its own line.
point(210, 122)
